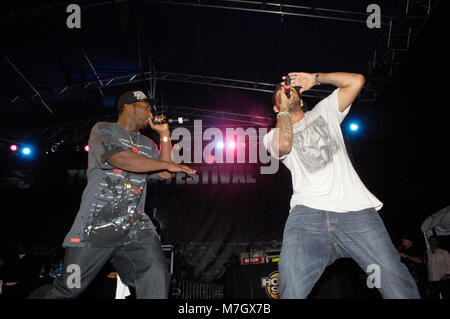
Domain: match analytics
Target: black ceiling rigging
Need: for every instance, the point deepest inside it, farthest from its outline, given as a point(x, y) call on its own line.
point(400, 27)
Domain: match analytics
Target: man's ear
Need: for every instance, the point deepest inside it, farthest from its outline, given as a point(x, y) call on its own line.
point(276, 108)
point(126, 107)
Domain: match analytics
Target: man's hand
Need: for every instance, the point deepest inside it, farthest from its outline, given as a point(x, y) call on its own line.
point(162, 129)
point(175, 168)
point(303, 79)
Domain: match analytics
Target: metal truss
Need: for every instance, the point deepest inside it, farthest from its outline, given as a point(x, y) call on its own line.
point(249, 6)
point(55, 135)
point(401, 31)
point(231, 119)
point(276, 8)
point(36, 92)
point(237, 5)
point(396, 42)
point(124, 79)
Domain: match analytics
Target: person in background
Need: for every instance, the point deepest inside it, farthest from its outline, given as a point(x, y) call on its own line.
point(438, 269)
point(19, 273)
point(415, 259)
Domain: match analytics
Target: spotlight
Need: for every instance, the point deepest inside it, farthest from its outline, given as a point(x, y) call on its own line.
point(231, 144)
point(220, 145)
point(26, 151)
point(13, 147)
point(86, 148)
point(354, 127)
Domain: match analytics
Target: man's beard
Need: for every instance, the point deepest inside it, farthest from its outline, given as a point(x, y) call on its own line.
point(142, 124)
point(295, 107)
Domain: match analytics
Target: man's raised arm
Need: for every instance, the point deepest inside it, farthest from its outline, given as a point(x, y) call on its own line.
point(282, 138)
point(349, 84)
point(133, 162)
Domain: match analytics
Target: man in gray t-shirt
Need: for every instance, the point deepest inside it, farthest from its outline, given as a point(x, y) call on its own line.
point(111, 223)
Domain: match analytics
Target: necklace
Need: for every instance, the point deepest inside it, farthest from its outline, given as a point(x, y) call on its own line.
point(134, 147)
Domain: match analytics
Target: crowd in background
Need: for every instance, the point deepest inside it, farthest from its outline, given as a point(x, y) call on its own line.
point(429, 266)
point(26, 275)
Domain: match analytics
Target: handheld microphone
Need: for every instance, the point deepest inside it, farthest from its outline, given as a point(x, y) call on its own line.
point(287, 86)
point(179, 120)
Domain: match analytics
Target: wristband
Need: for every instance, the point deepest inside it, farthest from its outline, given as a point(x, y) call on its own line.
point(283, 113)
point(317, 79)
point(165, 139)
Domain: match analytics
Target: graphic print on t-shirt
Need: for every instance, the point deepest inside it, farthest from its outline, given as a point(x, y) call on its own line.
point(315, 145)
point(114, 215)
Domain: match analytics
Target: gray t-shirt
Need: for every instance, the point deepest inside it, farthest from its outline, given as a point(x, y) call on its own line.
point(112, 206)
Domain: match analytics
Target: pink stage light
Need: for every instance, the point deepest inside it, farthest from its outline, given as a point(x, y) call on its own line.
point(86, 148)
point(13, 147)
point(231, 144)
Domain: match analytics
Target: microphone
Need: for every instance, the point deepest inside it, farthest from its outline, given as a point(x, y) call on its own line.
point(179, 120)
point(287, 86)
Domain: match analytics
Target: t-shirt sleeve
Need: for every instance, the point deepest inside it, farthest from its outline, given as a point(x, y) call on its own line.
point(104, 143)
point(329, 106)
point(154, 153)
point(153, 148)
point(267, 141)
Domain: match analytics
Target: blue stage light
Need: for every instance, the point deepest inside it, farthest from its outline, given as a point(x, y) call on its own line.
point(26, 151)
point(354, 127)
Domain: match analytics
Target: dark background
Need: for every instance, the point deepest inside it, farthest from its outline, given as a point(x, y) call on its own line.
point(401, 151)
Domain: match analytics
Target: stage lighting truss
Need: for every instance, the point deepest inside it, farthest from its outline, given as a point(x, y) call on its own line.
point(305, 11)
point(125, 79)
point(78, 131)
point(400, 32)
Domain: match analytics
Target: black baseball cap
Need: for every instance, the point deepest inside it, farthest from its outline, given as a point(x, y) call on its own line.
point(130, 97)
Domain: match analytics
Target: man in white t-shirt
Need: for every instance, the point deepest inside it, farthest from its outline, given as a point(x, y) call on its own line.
point(333, 215)
point(438, 269)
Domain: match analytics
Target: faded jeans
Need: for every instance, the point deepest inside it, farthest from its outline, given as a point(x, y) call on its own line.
point(140, 264)
point(314, 239)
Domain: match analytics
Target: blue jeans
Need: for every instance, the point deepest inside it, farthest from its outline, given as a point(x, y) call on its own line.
point(314, 239)
point(140, 264)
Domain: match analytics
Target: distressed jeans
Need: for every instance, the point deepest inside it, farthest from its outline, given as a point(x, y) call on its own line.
point(314, 239)
point(140, 264)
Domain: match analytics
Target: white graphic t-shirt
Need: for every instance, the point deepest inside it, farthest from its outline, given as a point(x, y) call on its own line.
point(323, 176)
